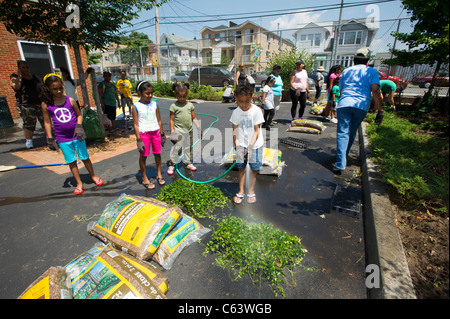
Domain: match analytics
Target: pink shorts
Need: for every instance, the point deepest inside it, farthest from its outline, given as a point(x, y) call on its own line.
point(152, 138)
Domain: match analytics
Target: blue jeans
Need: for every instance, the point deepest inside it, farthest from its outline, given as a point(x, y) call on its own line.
point(349, 119)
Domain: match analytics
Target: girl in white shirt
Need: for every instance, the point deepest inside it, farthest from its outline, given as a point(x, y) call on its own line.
point(268, 103)
point(149, 131)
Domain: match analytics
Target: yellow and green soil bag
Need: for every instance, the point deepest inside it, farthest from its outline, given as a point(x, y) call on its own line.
point(186, 231)
point(272, 164)
point(135, 224)
point(52, 284)
point(114, 275)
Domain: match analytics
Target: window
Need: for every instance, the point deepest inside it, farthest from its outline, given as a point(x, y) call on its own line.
point(311, 40)
point(345, 60)
point(220, 36)
point(43, 58)
point(350, 37)
point(249, 36)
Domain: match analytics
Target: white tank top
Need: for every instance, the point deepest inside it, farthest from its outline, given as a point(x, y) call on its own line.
point(147, 116)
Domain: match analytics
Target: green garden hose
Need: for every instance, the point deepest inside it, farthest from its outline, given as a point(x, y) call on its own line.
point(211, 180)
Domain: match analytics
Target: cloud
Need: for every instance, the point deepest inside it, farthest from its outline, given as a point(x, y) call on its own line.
point(291, 21)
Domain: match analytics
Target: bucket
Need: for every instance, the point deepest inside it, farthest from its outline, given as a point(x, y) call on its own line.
point(5, 115)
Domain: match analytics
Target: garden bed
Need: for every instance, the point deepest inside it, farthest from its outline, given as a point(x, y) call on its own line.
point(413, 152)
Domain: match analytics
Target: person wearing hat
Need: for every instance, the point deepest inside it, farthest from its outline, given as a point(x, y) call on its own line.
point(318, 84)
point(299, 88)
point(277, 88)
point(358, 83)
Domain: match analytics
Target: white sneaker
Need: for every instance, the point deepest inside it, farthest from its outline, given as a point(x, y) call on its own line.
point(328, 118)
point(333, 120)
point(29, 144)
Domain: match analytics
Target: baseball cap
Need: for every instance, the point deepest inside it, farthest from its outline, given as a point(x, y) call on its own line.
point(300, 62)
point(363, 53)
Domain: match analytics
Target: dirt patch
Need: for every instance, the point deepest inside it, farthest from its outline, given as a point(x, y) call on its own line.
point(425, 240)
point(112, 141)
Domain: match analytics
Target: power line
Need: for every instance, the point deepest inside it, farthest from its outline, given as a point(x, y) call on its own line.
point(261, 14)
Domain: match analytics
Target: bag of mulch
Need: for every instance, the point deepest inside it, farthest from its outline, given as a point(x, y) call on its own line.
point(308, 123)
point(186, 231)
point(115, 275)
point(272, 164)
point(134, 224)
point(301, 129)
point(52, 284)
point(317, 110)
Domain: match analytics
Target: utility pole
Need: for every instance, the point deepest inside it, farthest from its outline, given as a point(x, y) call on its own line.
point(158, 53)
point(336, 35)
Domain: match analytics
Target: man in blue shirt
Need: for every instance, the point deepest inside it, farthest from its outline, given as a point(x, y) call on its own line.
point(358, 83)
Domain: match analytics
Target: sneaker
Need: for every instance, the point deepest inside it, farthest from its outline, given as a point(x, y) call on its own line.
point(170, 170)
point(336, 170)
point(274, 122)
point(29, 144)
point(328, 118)
point(333, 120)
point(191, 167)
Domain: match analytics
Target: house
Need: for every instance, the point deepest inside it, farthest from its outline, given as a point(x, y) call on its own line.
point(179, 54)
point(42, 58)
point(111, 61)
point(246, 43)
point(318, 38)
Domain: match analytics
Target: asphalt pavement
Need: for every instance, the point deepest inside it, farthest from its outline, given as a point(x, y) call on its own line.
point(43, 223)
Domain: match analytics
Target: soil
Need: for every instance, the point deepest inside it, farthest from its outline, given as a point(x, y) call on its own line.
point(425, 237)
point(112, 141)
point(425, 240)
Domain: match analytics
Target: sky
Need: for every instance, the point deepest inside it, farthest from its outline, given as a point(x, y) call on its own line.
point(270, 14)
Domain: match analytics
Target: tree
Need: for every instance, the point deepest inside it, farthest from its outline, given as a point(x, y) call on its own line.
point(137, 47)
point(287, 60)
point(77, 22)
point(428, 42)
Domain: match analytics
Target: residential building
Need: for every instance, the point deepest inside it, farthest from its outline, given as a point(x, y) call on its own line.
point(246, 43)
point(42, 59)
point(111, 61)
point(179, 54)
point(319, 39)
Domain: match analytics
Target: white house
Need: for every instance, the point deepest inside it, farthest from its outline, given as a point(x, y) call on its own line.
point(179, 54)
point(318, 38)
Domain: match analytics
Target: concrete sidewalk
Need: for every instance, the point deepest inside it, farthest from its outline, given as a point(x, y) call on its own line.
point(43, 224)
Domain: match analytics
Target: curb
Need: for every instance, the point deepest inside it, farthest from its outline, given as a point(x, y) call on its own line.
point(383, 243)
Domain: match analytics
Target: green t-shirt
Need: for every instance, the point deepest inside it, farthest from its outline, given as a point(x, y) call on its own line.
point(183, 116)
point(337, 93)
point(387, 86)
point(109, 93)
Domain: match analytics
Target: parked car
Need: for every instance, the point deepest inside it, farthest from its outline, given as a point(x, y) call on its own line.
point(313, 75)
point(213, 76)
point(180, 77)
point(425, 81)
point(398, 81)
point(260, 78)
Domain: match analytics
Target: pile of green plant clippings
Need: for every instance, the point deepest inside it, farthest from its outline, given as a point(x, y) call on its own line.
point(256, 249)
point(196, 200)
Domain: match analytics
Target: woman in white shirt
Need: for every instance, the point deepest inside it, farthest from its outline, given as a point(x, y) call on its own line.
point(299, 89)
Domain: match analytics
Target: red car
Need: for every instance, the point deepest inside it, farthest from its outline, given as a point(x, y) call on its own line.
point(425, 81)
point(398, 81)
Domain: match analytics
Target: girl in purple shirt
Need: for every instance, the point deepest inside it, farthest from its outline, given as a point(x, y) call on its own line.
point(67, 121)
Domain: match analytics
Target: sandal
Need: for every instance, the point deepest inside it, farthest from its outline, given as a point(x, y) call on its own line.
point(238, 198)
point(160, 180)
point(78, 191)
point(249, 197)
point(149, 185)
point(99, 182)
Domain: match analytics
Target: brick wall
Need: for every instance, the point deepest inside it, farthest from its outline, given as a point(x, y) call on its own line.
point(9, 54)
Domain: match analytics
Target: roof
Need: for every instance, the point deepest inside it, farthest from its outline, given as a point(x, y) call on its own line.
point(182, 42)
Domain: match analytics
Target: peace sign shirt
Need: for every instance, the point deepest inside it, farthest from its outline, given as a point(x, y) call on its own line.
point(64, 121)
